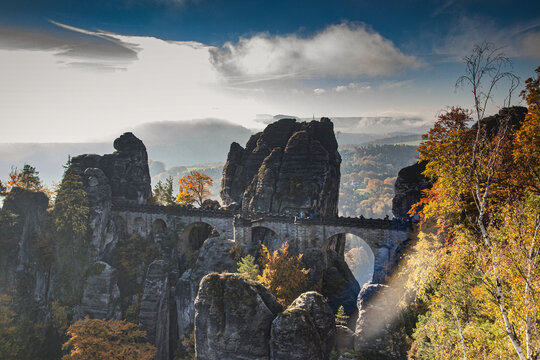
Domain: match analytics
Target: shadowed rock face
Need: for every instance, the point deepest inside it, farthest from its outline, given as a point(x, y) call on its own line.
point(126, 169)
point(408, 188)
point(155, 308)
point(101, 295)
point(287, 168)
point(377, 304)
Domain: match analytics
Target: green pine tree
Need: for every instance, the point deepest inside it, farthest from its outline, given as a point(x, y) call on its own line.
point(71, 214)
point(341, 317)
point(248, 268)
point(71, 209)
point(163, 192)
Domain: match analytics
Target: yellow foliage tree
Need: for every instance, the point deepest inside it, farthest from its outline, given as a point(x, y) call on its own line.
point(483, 289)
point(194, 188)
point(95, 339)
point(283, 274)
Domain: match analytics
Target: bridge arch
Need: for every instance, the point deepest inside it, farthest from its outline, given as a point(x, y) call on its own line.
point(139, 226)
point(358, 254)
point(263, 235)
point(196, 233)
point(120, 226)
point(159, 227)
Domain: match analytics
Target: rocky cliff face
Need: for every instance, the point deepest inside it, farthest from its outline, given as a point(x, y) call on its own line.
point(30, 208)
point(287, 168)
point(24, 219)
point(101, 296)
point(121, 177)
point(377, 307)
point(408, 189)
point(126, 170)
point(154, 316)
point(214, 255)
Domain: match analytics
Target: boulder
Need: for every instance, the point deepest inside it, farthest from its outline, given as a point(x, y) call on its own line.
point(154, 315)
point(344, 338)
point(101, 295)
point(294, 336)
point(322, 316)
point(287, 168)
point(233, 316)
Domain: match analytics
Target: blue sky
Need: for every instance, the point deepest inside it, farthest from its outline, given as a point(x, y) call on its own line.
point(74, 68)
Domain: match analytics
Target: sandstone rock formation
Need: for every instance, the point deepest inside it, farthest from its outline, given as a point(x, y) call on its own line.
point(101, 296)
point(295, 337)
point(232, 318)
point(287, 168)
point(408, 189)
point(213, 256)
point(305, 330)
point(339, 284)
point(19, 260)
point(321, 314)
point(126, 169)
point(376, 309)
point(121, 177)
point(344, 339)
point(31, 209)
point(155, 308)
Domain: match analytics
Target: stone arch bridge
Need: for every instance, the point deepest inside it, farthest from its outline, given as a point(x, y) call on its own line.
point(383, 237)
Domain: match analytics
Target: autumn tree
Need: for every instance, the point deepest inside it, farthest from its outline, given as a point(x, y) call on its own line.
point(163, 192)
point(194, 188)
point(27, 178)
point(481, 294)
point(527, 139)
point(95, 339)
point(283, 274)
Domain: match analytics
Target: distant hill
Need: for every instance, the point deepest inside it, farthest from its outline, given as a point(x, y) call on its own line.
point(409, 139)
point(173, 143)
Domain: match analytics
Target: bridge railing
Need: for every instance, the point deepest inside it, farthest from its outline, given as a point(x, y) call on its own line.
point(249, 218)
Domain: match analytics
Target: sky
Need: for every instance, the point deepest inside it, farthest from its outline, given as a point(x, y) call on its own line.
point(78, 71)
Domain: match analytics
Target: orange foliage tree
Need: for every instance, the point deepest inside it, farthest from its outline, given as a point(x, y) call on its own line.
point(283, 274)
point(95, 339)
point(194, 188)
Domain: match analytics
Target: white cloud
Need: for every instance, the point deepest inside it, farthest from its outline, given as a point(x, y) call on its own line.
point(59, 96)
point(344, 50)
point(515, 41)
point(352, 86)
point(530, 46)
